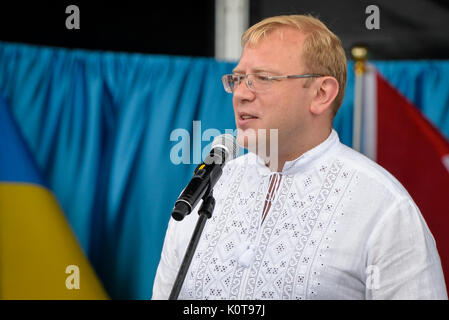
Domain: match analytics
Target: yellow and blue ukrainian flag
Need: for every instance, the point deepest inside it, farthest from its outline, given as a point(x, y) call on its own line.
point(40, 257)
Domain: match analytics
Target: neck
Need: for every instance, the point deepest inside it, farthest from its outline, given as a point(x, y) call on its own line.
point(295, 149)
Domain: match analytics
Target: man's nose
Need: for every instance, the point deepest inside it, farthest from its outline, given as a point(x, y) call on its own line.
point(242, 91)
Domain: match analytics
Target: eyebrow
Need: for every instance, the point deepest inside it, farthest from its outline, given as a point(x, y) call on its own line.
point(258, 71)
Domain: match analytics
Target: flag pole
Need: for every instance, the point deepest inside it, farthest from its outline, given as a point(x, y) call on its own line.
point(359, 54)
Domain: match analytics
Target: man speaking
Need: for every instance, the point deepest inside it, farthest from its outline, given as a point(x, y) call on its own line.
point(310, 218)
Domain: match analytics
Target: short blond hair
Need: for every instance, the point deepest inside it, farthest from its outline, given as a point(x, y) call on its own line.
point(322, 52)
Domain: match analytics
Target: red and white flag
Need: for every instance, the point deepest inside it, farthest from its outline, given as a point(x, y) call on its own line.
point(396, 135)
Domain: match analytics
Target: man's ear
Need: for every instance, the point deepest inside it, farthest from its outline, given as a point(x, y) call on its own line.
point(326, 91)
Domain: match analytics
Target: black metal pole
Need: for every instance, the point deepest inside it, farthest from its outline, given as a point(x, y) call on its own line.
point(205, 212)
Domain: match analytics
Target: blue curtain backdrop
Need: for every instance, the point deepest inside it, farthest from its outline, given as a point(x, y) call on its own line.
point(99, 126)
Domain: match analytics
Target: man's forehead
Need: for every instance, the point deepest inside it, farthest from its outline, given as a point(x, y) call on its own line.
point(285, 35)
point(276, 50)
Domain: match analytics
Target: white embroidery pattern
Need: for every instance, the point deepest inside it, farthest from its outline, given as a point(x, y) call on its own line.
point(202, 280)
point(286, 247)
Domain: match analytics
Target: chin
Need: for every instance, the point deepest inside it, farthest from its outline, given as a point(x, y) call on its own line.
point(247, 139)
point(254, 140)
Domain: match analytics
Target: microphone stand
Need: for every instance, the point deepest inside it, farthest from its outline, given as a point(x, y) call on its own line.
point(204, 212)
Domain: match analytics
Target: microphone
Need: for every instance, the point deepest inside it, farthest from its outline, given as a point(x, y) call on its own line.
point(224, 148)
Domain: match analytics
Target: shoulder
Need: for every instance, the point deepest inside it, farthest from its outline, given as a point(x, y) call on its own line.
point(370, 173)
point(384, 201)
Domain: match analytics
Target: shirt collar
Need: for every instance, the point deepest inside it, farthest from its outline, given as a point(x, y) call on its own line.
point(300, 163)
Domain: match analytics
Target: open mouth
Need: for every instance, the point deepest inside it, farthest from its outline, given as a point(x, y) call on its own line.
point(246, 116)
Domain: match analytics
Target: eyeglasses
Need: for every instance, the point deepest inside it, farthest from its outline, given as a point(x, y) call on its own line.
point(258, 82)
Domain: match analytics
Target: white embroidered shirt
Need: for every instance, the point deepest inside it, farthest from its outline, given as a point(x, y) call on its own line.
point(332, 225)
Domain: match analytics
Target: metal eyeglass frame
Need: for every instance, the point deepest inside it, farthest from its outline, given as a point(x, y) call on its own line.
point(228, 88)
